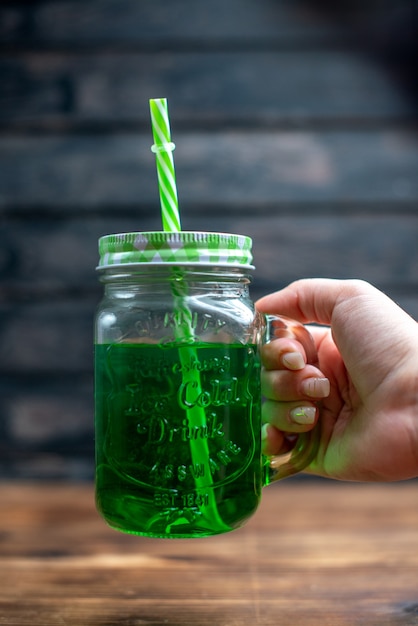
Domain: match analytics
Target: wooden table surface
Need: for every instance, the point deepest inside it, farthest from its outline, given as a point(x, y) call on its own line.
point(315, 553)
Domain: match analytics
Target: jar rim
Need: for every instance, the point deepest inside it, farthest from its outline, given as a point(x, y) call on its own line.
point(185, 248)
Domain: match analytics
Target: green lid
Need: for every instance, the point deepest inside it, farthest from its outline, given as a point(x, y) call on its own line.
point(175, 248)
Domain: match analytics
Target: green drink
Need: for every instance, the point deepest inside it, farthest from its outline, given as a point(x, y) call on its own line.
point(177, 385)
point(177, 437)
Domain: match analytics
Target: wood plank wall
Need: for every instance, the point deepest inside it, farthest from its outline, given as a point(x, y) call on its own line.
point(294, 123)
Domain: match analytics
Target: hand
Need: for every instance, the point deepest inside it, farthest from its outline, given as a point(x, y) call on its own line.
point(367, 380)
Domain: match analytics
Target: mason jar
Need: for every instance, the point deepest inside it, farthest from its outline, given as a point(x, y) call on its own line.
point(177, 385)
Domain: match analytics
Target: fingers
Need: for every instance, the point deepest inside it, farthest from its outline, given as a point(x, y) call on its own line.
point(280, 327)
point(283, 354)
point(273, 441)
point(291, 388)
point(287, 385)
point(284, 421)
point(291, 417)
point(280, 439)
point(286, 376)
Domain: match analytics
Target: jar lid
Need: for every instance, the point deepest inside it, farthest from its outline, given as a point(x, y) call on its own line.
point(175, 248)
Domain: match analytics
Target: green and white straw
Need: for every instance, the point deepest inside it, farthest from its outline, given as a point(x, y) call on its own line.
point(163, 148)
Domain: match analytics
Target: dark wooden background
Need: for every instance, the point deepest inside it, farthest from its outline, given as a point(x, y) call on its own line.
point(295, 123)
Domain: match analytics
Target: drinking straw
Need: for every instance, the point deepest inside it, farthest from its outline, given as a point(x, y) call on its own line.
point(163, 149)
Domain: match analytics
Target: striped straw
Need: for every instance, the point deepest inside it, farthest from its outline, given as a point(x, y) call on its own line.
point(199, 448)
point(163, 149)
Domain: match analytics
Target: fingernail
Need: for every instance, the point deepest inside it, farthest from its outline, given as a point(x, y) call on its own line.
point(303, 414)
point(293, 360)
point(264, 432)
point(265, 439)
point(316, 387)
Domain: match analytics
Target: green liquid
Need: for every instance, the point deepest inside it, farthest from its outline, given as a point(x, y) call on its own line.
point(177, 437)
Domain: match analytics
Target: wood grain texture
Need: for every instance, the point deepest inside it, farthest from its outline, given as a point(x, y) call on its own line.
point(313, 555)
point(295, 123)
point(246, 88)
point(377, 248)
point(217, 168)
point(160, 24)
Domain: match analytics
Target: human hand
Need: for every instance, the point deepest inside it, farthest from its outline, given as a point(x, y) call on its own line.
point(367, 380)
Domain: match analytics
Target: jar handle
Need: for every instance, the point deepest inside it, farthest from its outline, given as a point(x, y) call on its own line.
point(306, 446)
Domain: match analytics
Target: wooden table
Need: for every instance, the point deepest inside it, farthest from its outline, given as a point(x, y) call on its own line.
point(316, 553)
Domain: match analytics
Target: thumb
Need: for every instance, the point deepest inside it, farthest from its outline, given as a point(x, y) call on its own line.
point(308, 300)
point(367, 326)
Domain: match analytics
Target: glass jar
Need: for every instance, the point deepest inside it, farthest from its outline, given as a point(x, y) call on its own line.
point(177, 384)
